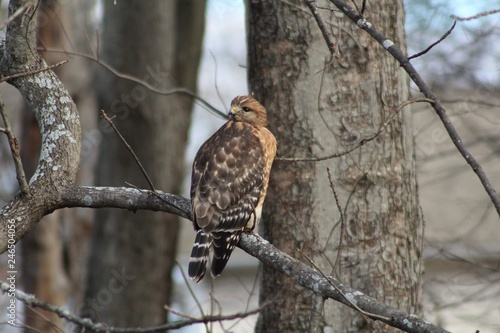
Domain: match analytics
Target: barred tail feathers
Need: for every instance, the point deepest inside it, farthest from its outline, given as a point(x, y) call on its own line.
point(223, 245)
point(199, 256)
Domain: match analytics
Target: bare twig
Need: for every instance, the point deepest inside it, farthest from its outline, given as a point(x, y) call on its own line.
point(390, 47)
point(31, 301)
point(143, 83)
point(14, 149)
point(480, 102)
point(362, 142)
point(178, 313)
point(28, 73)
point(332, 46)
point(316, 314)
point(105, 116)
point(421, 259)
point(191, 292)
point(416, 55)
point(489, 12)
point(215, 79)
point(12, 17)
point(348, 299)
point(40, 316)
point(342, 220)
point(363, 7)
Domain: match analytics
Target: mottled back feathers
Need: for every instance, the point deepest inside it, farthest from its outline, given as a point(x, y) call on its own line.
point(228, 184)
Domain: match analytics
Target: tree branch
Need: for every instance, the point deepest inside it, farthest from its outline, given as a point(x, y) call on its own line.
point(490, 12)
point(332, 46)
point(136, 159)
point(362, 142)
point(447, 33)
point(32, 301)
point(57, 119)
point(306, 276)
point(14, 15)
point(390, 47)
point(125, 198)
point(159, 91)
point(30, 73)
point(311, 279)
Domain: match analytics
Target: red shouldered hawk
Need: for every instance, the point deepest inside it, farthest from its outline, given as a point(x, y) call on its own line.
point(229, 184)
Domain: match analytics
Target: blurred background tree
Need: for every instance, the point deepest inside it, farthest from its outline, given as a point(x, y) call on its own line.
point(159, 42)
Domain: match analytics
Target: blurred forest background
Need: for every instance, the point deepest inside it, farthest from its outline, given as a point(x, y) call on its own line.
point(462, 252)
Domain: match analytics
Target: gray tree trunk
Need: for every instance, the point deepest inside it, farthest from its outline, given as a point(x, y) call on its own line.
point(318, 107)
point(133, 252)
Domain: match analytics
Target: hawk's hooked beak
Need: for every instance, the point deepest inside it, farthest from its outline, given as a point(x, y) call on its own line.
point(231, 113)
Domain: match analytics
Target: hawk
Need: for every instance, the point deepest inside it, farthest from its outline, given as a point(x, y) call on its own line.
point(229, 184)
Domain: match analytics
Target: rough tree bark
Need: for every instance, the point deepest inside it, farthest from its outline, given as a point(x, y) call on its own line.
point(134, 253)
point(43, 271)
point(319, 106)
point(56, 115)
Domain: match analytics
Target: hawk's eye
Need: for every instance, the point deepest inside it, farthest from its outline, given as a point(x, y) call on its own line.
point(246, 108)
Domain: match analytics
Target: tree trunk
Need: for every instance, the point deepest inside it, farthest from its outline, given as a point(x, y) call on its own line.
point(318, 107)
point(133, 252)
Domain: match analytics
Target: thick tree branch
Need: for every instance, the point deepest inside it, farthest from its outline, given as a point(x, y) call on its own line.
point(57, 119)
point(311, 279)
point(390, 47)
point(125, 198)
point(306, 276)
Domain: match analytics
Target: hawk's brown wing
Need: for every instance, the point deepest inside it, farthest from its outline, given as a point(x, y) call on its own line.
point(227, 179)
point(226, 184)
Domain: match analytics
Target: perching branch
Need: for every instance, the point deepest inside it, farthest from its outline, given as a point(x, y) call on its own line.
point(125, 198)
point(390, 47)
point(306, 276)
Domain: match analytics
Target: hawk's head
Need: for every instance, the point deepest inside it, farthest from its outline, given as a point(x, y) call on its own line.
point(247, 109)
